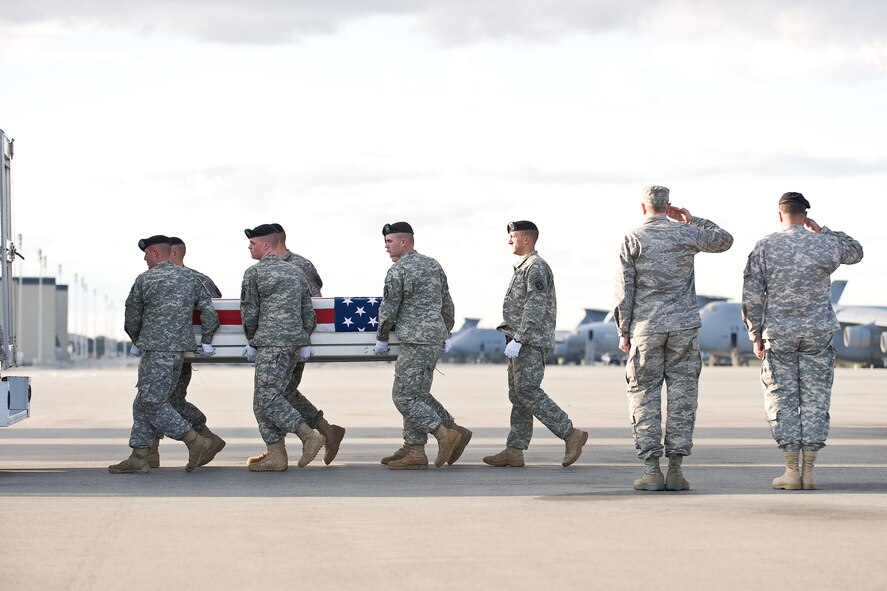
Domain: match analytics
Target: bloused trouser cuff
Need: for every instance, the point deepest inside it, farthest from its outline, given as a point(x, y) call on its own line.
point(274, 414)
point(152, 413)
point(673, 358)
point(189, 412)
point(797, 376)
point(528, 399)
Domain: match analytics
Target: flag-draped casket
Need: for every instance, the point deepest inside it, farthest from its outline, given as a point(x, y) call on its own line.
point(346, 331)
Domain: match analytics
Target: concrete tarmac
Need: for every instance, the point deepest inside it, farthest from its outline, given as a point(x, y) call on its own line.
point(68, 524)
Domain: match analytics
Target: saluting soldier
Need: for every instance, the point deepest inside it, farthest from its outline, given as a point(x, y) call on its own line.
point(191, 413)
point(787, 309)
point(278, 320)
point(529, 315)
point(657, 317)
point(158, 320)
point(312, 415)
point(417, 305)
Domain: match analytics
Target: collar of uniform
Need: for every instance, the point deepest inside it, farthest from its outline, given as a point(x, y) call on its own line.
point(408, 253)
point(795, 228)
point(521, 262)
point(659, 217)
point(269, 257)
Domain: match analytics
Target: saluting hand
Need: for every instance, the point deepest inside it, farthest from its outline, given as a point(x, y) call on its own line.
point(679, 214)
point(812, 226)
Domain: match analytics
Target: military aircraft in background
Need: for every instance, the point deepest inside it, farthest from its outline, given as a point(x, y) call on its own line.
point(598, 340)
point(474, 344)
point(862, 338)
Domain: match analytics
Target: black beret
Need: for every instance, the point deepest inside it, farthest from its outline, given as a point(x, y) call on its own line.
point(157, 239)
point(176, 241)
point(278, 227)
point(397, 228)
point(260, 230)
point(794, 198)
point(521, 225)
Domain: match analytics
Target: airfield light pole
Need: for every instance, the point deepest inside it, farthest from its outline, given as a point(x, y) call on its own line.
point(20, 305)
point(41, 262)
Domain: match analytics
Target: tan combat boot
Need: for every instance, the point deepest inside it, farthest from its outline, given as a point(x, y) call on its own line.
point(312, 441)
point(414, 460)
point(652, 478)
point(273, 460)
point(510, 456)
point(136, 463)
point(399, 454)
point(216, 443)
point(154, 454)
point(261, 456)
point(447, 440)
point(807, 481)
point(463, 443)
point(198, 449)
point(791, 479)
point(574, 441)
point(674, 479)
point(334, 435)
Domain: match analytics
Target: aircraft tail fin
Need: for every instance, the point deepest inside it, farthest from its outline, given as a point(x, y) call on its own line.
point(592, 315)
point(837, 290)
point(470, 323)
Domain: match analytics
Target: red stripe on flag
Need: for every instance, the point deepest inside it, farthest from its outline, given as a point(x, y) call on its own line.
point(232, 317)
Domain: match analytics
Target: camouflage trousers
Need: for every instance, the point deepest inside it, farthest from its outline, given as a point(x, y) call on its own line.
point(152, 413)
point(274, 414)
point(528, 399)
point(672, 357)
point(797, 376)
point(189, 412)
point(411, 393)
point(308, 411)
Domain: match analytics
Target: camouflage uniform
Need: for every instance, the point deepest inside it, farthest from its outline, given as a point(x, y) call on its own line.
point(416, 299)
point(786, 303)
point(529, 313)
point(158, 320)
point(309, 412)
point(191, 413)
point(278, 320)
point(656, 308)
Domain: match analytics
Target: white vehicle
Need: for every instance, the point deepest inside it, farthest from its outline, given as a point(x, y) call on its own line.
point(14, 390)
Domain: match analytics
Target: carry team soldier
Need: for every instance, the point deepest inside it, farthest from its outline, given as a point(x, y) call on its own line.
point(786, 307)
point(657, 317)
point(191, 413)
point(278, 320)
point(158, 317)
point(416, 303)
point(312, 415)
point(529, 314)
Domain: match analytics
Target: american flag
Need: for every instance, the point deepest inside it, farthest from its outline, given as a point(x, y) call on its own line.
point(349, 314)
point(359, 314)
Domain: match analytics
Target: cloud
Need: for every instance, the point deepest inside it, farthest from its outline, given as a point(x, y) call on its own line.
point(459, 22)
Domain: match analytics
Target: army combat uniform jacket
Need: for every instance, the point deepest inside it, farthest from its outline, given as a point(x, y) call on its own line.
point(786, 290)
point(275, 305)
point(529, 311)
point(160, 306)
point(656, 284)
point(311, 275)
point(417, 300)
point(208, 284)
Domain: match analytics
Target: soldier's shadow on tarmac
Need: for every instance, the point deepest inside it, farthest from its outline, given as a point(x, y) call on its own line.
point(726, 461)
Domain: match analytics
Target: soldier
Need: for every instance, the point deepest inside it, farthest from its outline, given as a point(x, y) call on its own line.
point(314, 417)
point(417, 305)
point(191, 413)
point(787, 309)
point(158, 320)
point(529, 314)
point(278, 320)
point(657, 317)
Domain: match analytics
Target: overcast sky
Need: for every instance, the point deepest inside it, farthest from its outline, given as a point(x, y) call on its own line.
point(200, 119)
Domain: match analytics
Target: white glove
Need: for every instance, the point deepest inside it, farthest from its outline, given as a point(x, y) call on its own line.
point(381, 347)
point(135, 351)
point(305, 353)
point(206, 350)
point(512, 349)
point(447, 345)
point(250, 353)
